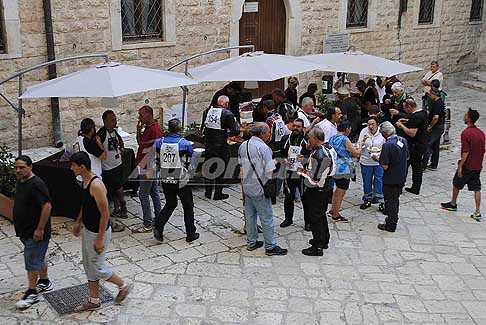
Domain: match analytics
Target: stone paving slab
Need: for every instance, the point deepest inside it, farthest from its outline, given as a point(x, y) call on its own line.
point(432, 270)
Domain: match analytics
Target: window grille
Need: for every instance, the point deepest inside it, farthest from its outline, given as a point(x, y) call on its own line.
point(426, 13)
point(141, 19)
point(476, 10)
point(357, 13)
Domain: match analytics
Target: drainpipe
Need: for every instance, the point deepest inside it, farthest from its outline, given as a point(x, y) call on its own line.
point(52, 72)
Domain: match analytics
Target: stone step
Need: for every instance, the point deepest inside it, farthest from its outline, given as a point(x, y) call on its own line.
point(475, 84)
point(478, 76)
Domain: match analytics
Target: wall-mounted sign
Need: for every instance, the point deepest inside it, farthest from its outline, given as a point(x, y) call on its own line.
point(250, 7)
point(335, 43)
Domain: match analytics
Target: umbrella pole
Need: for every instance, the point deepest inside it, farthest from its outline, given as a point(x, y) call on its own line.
point(20, 111)
point(184, 96)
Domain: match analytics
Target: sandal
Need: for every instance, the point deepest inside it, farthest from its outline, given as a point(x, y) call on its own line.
point(340, 218)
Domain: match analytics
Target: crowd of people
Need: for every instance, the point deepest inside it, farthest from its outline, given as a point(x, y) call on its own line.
point(289, 148)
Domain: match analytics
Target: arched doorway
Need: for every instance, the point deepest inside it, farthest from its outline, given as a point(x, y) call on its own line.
point(263, 24)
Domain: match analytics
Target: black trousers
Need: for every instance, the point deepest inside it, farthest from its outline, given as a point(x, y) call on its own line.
point(171, 192)
point(292, 183)
point(215, 177)
point(316, 201)
point(415, 161)
point(392, 194)
point(433, 147)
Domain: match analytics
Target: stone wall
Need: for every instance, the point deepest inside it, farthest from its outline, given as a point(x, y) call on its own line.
point(85, 27)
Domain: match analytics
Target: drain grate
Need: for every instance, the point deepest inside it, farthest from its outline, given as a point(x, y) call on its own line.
point(65, 300)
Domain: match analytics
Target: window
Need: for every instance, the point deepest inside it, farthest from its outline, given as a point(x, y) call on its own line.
point(476, 10)
point(426, 12)
point(10, 39)
point(357, 13)
point(142, 19)
point(3, 44)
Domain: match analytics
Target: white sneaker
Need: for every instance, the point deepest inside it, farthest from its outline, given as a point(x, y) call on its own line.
point(27, 301)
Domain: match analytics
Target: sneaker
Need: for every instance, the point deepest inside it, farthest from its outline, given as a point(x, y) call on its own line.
point(142, 230)
point(477, 216)
point(29, 298)
point(87, 306)
point(286, 223)
point(43, 285)
point(448, 206)
point(382, 226)
point(381, 208)
point(365, 205)
point(277, 250)
point(192, 238)
point(340, 218)
point(313, 251)
point(208, 195)
point(123, 293)
point(256, 245)
point(220, 197)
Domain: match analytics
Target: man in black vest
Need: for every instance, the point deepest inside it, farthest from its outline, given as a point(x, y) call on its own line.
point(217, 122)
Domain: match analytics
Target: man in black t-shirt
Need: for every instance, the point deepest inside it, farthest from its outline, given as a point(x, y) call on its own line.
point(415, 132)
point(31, 216)
point(435, 129)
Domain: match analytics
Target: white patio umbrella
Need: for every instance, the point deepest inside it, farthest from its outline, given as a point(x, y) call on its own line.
point(254, 66)
point(360, 63)
point(110, 79)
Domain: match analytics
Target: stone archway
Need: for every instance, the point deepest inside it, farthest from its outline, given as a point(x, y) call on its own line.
point(293, 31)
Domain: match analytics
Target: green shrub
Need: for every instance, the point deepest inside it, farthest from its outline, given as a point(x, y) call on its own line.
point(7, 171)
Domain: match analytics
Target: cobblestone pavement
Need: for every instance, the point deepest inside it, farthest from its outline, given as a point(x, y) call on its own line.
point(432, 270)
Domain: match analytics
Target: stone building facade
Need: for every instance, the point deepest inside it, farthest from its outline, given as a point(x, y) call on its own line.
point(388, 28)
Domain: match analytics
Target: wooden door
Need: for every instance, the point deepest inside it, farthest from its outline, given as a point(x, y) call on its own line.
point(266, 30)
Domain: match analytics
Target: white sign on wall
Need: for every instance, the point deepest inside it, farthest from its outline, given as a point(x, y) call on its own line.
point(250, 7)
point(335, 43)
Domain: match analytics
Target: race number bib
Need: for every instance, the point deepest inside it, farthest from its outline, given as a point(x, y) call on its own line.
point(169, 156)
point(213, 119)
point(279, 129)
point(294, 152)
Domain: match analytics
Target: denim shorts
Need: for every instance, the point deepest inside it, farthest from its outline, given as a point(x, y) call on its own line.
point(34, 253)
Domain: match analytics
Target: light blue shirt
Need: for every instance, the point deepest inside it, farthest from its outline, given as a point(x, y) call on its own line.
point(261, 157)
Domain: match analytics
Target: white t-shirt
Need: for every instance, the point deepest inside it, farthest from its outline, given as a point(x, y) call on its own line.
point(433, 76)
point(329, 129)
point(302, 115)
point(374, 140)
point(78, 145)
point(113, 154)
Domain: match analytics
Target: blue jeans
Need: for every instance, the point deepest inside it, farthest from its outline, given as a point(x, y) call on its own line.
point(262, 207)
point(34, 253)
point(372, 183)
point(148, 188)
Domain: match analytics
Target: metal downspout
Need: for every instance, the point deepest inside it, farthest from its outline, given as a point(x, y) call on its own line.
point(52, 73)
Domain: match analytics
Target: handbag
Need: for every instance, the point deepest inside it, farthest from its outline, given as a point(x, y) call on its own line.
point(270, 187)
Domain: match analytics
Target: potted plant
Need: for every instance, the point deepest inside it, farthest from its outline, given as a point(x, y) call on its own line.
point(7, 182)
